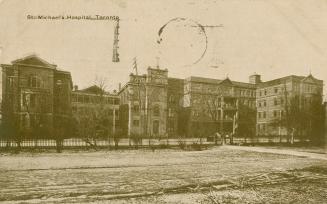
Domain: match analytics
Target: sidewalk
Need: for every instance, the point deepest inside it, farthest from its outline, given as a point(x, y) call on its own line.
point(279, 151)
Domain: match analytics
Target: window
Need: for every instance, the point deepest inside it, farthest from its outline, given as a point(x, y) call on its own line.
point(275, 102)
point(97, 99)
point(11, 82)
point(171, 99)
point(110, 100)
point(155, 127)
point(259, 114)
point(264, 114)
point(264, 103)
point(109, 112)
point(170, 112)
point(281, 101)
point(32, 100)
point(195, 113)
point(276, 90)
point(259, 104)
point(263, 127)
point(265, 92)
point(136, 108)
point(156, 111)
point(136, 123)
point(80, 98)
point(275, 113)
point(74, 98)
point(171, 126)
point(86, 99)
point(34, 81)
point(24, 121)
point(32, 120)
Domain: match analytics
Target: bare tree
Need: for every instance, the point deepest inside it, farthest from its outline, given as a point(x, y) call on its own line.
point(302, 116)
point(246, 121)
point(95, 122)
point(10, 120)
point(213, 103)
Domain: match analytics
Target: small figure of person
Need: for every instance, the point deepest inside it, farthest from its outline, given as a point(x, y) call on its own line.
point(227, 137)
point(223, 141)
point(217, 137)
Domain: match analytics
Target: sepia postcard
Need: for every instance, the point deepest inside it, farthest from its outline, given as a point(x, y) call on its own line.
point(162, 101)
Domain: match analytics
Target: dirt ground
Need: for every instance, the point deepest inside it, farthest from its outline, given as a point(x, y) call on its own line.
point(217, 175)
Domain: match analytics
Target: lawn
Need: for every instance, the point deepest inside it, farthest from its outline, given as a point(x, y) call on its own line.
point(217, 175)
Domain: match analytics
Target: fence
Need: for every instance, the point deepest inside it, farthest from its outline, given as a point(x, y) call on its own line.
point(125, 142)
point(265, 140)
point(77, 142)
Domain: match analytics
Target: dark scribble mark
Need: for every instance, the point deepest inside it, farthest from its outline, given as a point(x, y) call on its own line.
point(211, 26)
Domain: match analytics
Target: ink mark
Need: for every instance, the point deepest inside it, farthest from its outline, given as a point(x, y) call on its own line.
point(197, 45)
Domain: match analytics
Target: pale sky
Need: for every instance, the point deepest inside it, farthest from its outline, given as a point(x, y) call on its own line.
point(273, 38)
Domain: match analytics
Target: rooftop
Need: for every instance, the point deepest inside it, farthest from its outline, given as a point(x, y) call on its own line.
point(219, 81)
point(290, 77)
point(35, 61)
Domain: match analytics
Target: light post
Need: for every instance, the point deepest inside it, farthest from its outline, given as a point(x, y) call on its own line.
point(58, 116)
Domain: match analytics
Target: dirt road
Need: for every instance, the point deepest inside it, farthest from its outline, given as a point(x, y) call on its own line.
point(124, 175)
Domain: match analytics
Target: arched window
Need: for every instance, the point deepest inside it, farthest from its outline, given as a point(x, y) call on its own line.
point(35, 81)
point(136, 108)
point(171, 99)
point(156, 111)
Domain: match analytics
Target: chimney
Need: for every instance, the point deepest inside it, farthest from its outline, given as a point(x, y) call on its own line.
point(255, 78)
point(75, 88)
point(119, 86)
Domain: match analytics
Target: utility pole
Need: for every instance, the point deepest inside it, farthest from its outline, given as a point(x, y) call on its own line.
point(115, 54)
point(135, 65)
point(158, 58)
point(114, 121)
point(279, 126)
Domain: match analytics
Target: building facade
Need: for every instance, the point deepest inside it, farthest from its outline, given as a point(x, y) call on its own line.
point(175, 112)
point(217, 105)
point(325, 121)
point(284, 100)
point(36, 99)
point(95, 113)
point(144, 104)
point(156, 105)
point(159, 106)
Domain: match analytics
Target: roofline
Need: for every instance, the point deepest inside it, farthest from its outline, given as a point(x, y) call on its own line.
point(30, 56)
point(62, 71)
point(36, 66)
point(264, 83)
point(218, 81)
point(88, 93)
point(5, 65)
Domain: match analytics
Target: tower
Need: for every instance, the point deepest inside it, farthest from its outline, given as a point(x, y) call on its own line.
point(255, 78)
point(115, 55)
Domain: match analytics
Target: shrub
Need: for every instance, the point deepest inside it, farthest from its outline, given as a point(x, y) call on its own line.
point(196, 146)
point(181, 144)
